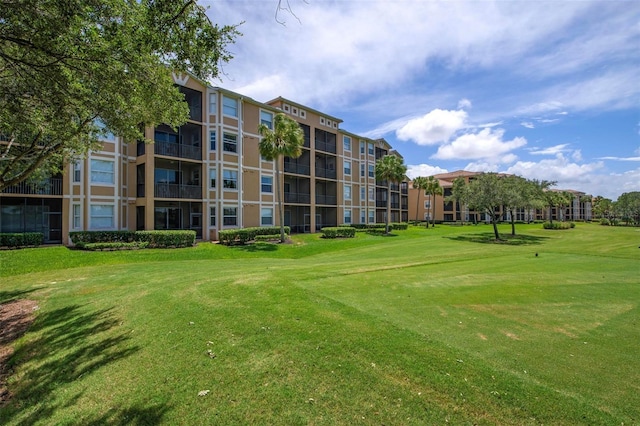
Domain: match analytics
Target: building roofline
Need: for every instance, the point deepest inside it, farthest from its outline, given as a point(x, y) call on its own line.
point(305, 107)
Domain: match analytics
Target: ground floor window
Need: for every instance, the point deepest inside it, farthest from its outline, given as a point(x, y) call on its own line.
point(266, 216)
point(212, 216)
point(167, 218)
point(230, 216)
point(101, 216)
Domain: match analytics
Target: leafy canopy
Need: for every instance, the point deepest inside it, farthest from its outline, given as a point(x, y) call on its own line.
point(64, 64)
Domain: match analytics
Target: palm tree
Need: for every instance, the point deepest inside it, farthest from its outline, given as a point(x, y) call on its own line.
point(286, 139)
point(391, 169)
point(419, 183)
point(433, 188)
point(459, 195)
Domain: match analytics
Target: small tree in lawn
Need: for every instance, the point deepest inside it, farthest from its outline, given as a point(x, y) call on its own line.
point(419, 183)
point(486, 193)
point(433, 188)
point(284, 140)
point(390, 168)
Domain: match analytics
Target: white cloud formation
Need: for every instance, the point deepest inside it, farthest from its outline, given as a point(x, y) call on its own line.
point(415, 170)
point(486, 144)
point(551, 150)
point(464, 103)
point(435, 127)
point(528, 125)
point(560, 169)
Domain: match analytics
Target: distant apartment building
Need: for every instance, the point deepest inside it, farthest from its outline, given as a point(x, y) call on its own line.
point(422, 206)
point(208, 175)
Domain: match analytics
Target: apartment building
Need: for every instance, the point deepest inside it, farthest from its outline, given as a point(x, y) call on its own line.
point(421, 204)
point(208, 175)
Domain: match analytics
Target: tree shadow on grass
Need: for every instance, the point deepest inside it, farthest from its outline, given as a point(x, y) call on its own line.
point(63, 346)
point(256, 247)
point(506, 239)
point(10, 296)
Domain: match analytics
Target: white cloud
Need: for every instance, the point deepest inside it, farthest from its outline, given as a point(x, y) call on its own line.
point(528, 125)
point(568, 174)
point(576, 155)
point(481, 167)
point(434, 127)
point(620, 158)
point(486, 144)
point(464, 103)
point(552, 150)
point(415, 170)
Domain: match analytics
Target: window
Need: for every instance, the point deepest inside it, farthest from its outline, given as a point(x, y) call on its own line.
point(266, 183)
point(230, 142)
point(102, 171)
point(212, 178)
point(266, 216)
point(372, 216)
point(371, 151)
point(347, 216)
point(346, 143)
point(230, 216)
point(101, 216)
point(362, 170)
point(372, 170)
point(76, 172)
point(427, 204)
point(230, 179)
point(266, 118)
point(229, 106)
point(362, 145)
point(77, 219)
point(372, 194)
point(347, 192)
point(363, 216)
point(363, 193)
point(212, 140)
point(213, 103)
point(212, 216)
point(347, 167)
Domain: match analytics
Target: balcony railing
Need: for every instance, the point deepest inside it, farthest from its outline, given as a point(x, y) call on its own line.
point(326, 147)
point(178, 150)
point(395, 205)
point(299, 169)
point(299, 198)
point(51, 186)
point(381, 203)
point(331, 200)
point(172, 190)
point(326, 173)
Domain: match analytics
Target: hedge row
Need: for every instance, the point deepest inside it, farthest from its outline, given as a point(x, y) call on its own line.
point(558, 225)
point(115, 246)
point(26, 239)
point(118, 239)
point(244, 235)
point(338, 232)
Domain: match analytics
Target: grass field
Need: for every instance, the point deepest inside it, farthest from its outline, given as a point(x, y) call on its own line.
point(429, 326)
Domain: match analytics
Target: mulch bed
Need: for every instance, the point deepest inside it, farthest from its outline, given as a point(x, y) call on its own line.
point(15, 318)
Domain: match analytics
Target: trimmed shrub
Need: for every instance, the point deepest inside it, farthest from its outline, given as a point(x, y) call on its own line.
point(166, 239)
point(228, 237)
point(398, 226)
point(338, 232)
point(115, 246)
point(24, 239)
point(111, 240)
point(558, 225)
point(271, 237)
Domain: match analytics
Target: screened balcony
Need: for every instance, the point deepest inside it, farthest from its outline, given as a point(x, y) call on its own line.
point(185, 143)
point(177, 179)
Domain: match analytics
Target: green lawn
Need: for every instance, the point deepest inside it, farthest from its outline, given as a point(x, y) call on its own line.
point(424, 327)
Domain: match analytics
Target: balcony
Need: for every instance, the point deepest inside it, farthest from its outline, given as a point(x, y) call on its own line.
point(178, 150)
point(325, 173)
point(326, 147)
point(50, 186)
point(298, 198)
point(300, 169)
point(172, 190)
point(381, 203)
point(330, 200)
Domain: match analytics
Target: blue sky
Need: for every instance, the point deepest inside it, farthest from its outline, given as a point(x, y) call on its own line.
point(544, 90)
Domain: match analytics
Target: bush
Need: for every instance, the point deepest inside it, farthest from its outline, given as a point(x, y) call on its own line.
point(338, 232)
point(558, 225)
point(25, 239)
point(398, 226)
point(228, 237)
point(103, 240)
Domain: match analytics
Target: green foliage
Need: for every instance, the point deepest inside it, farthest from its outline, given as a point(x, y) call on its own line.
point(26, 239)
point(115, 246)
point(391, 169)
point(338, 232)
point(66, 63)
point(244, 235)
point(558, 225)
point(99, 240)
